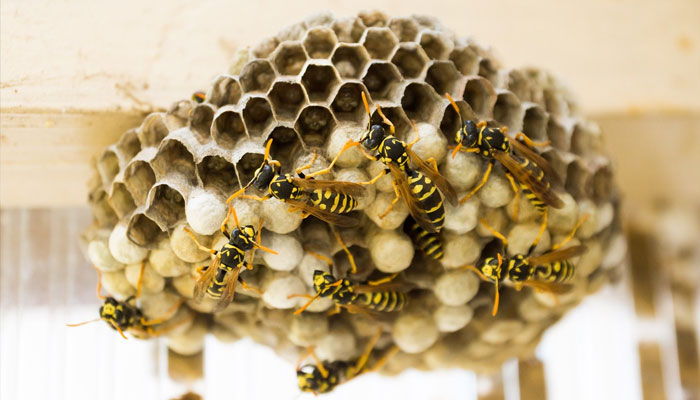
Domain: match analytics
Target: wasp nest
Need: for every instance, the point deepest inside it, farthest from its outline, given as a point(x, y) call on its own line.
point(303, 89)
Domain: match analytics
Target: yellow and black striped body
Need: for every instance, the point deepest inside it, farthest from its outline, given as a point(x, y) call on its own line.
point(516, 269)
point(554, 272)
point(310, 378)
point(430, 243)
point(537, 172)
point(383, 301)
point(392, 150)
point(232, 255)
point(283, 188)
point(344, 293)
point(428, 196)
point(218, 284)
point(119, 314)
point(491, 139)
point(329, 200)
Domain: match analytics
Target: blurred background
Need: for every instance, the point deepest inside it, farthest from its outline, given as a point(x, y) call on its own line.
point(74, 75)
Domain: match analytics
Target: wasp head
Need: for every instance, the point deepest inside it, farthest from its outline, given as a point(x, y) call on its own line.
point(491, 269)
point(263, 175)
point(323, 282)
point(310, 379)
point(373, 137)
point(468, 134)
point(115, 314)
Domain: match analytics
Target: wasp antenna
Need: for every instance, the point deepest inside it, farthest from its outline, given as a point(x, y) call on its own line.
point(386, 120)
point(456, 150)
point(83, 323)
point(454, 105)
point(305, 306)
point(364, 100)
point(119, 330)
point(494, 232)
point(268, 145)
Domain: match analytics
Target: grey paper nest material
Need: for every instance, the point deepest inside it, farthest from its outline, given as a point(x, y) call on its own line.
point(302, 88)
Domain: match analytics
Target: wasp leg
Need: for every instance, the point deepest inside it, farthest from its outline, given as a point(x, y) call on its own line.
point(167, 316)
point(382, 281)
point(393, 202)
point(481, 125)
point(481, 184)
point(247, 286)
point(478, 273)
point(99, 283)
point(541, 232)
point(383, 360)
point(431, 160)
point(257, 198)
point(203, 248)
point(375, 179)
point(139, 285)
point(572, 233)
point(348, 145)
point(353, 266)
point(320, 257)
point(319, 364)
point(159, 332)
point(529, 142)
point(362, 361)
point(224, 224)
point(307, 166)
point(516, 205)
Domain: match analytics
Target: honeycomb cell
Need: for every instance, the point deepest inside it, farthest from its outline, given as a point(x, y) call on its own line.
point(225, 90)
point(518, 83)
point(436, 45)
point(406, 29)
point(450, 122)
point(347, 103)
point(153, 130)
point(287, 98)
point(265, 47)
point(291, 32)
point(373, 18)
point(257, 76)
point(129, 144)
point(557, 135)
point(103, 212)
point(580, 140)
point(108, 166)
point(348, 30)
point(319, 80)
point(382, 80)
point(578, 181)
point(507, 110)
point(315, 124)
point(201, 120)
point(350, 60)
point(142, 230)
point(555, 103)
point(419, 101)
point(444, 78)
point(289, 58)
point(257, 116)
point(167, 206)
point(411, 60)
point(535, 122)
point(466, 60)
point(285, 139)
point(174, 158)
point(216, 173)
point(320, 42)
point(177, 115)
point(488, 70)
point(247, 165)
point(379, 42)
point(138, 179)
point(480, 96)
point(603, 184)
point(227, 127)
point(120, 199)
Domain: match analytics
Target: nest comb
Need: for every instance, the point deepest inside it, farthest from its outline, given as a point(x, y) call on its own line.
point(302, 88)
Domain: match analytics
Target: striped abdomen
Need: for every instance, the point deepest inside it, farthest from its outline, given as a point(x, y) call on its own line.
point(539, 205)
point(429, 198)
point(216, 287)
point(382, 301)
point(328, 200)
point(429, 242)
point(555, 272)
point(533, 170)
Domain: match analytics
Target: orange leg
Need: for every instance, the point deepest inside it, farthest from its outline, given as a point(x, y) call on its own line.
point(353, 266)
point(480, 185)
point(168, 314)
point(529, 142)
point(393, 202)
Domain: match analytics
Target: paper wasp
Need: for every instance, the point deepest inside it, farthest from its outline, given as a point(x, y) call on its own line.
point(429, 242)
point(546, 272)
point(419, 187)
point(199, 96)
point(325, 200)
point(123, 316)
point(323, 377)
point(219, 279)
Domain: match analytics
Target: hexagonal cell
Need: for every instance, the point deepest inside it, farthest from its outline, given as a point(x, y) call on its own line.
point(284, 140)
point(488, 70)
point(603, 184)
point(265, 47)
point(348, 30)
point(227, 127)
point(428, 22)
point(578, 181)
point(225, 90)
point(178, 114)
point(554, 103)
point(398, 117)
point(436, 45)
point(507, 110)
point(138, 179)
point(257, 76)
point(142, 230)
point(379, 42)
point(347, 104)
point(444, 78)
point(466, 60)
point(373, 18)
point(411, 60)
point(535, 122)
point(557, 135)
point(121, 201)
point(129, 144)
point(217, 173)
point(319, 80)
point(108, 166)
point(558, 161)
point(450, 122)
point(481, 96)
point(350, 60)
point(257, 116)
point(580, 140)
point(381, 79)
point(420, 102)
point(406, 29)
point(247, 165)
point(167, 206)
point(291, 32)
point(173, 157)
point(319, 42)
point(201, 119)
point(518, 83)
point(153, 130)
point(287, 98)
point(314, 124)
point(103, 212)
point(289, 58)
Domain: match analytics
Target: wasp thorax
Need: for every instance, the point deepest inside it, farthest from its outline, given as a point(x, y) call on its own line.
point(373, 137)
point(263, 176)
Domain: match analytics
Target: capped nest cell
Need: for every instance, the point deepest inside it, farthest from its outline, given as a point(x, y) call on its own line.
point(303, 89)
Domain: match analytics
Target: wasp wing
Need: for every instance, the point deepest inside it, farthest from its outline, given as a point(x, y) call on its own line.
point(556, 288)
point(442, 184)
point(229, 290)
point(385, 287)
point(327, 216)
point(349, 188)
point(200, 288)
point(412, 202)
point(537, 186)
point(557, 255)
point(531, 155)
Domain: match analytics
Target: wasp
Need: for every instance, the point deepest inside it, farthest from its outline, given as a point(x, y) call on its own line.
point(428, 242)
point(420, 187)
point(325, 200)
point(199, 96)
point(370, 296)
point(532, 171)
point(323, 377)
point(547, 272)
point(123, 316)
point(219, 279)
